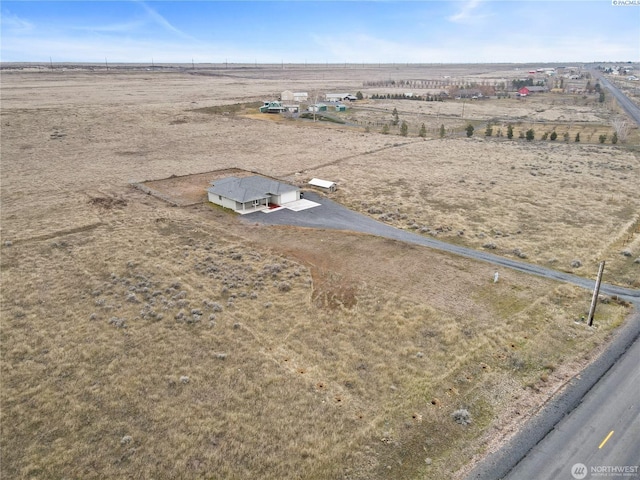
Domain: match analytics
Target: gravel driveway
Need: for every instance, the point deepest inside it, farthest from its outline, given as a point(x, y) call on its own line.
point(331, 215)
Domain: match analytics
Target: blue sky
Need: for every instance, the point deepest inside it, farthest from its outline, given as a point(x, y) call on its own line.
point(418, 31)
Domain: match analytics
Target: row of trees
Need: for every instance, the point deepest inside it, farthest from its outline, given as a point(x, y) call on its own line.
point(529, 135)
point(404, 96)
point(619, 124)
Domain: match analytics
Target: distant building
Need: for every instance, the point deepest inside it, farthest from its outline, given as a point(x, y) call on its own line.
point(340, 97)
point(524, 91)
point(292, 97)
point(273, 107)
point(318, 107)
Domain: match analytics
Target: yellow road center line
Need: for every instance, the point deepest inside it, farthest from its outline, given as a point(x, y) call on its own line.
point(605, 440)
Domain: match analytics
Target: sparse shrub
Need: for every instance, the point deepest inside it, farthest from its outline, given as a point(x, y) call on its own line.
point(284, 286)
point(462, 416)
point(545, 135)
point(423, 131)
point(553, 136)
point(509, 131)
point(576, 263)
point(518, 253)
point(469, 130)
point(126, 440)
point(488, 131)
point(626, 252)
point(530, 135)
point(118, 322)
point(614, 138)
point(216, 307)
point(577, 137)
point(184, 379)
point(221, 356)
point(442, 131)
point(273, 269)
point(404, 129)
point(602, 138)
point(132, 298)
point(489, 245)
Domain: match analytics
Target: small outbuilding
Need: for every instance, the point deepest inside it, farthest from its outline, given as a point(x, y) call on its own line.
point(318, 107)
point(324, 184)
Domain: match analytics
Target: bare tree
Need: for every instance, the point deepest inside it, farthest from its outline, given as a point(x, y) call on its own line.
point(621, 127)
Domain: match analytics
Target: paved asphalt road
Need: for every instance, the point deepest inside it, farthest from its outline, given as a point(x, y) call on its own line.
point(584, 437)
point(631, 108)
point(331, 215)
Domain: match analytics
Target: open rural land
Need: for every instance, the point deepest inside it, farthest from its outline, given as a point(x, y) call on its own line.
point(147, 333)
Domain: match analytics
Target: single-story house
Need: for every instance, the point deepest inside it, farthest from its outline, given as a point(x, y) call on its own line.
point(524, 91)
point(273, 107)
point(325, 184)
point(251, 193)
point(340, 97)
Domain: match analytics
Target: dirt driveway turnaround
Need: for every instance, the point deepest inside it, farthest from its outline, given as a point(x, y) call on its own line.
point(331, 215)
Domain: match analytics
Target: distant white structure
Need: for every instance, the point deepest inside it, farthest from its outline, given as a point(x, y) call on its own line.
point(340, 97)
point(325, 184)
point(495, 277)
point(289, 96)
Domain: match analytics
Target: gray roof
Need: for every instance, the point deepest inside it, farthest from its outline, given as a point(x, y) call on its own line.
point(247, 189)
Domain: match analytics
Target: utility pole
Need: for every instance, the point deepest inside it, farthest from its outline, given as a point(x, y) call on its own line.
point(594, 300)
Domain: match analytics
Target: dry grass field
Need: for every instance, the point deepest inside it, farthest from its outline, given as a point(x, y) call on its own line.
point(144, 339)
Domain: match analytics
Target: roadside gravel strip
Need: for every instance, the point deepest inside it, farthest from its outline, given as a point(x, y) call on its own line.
point(498, 465)
point(331, 215)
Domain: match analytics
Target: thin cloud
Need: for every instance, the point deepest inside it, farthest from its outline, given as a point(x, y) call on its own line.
point(14, 24)
point(163, 22)
point(113, 28)
point(468, 13)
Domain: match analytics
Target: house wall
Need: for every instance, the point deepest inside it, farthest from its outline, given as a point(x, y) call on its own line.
point(286, 197)
point(224, 202)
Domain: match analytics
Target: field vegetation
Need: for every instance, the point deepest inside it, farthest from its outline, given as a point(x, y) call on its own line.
point(146, 338)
